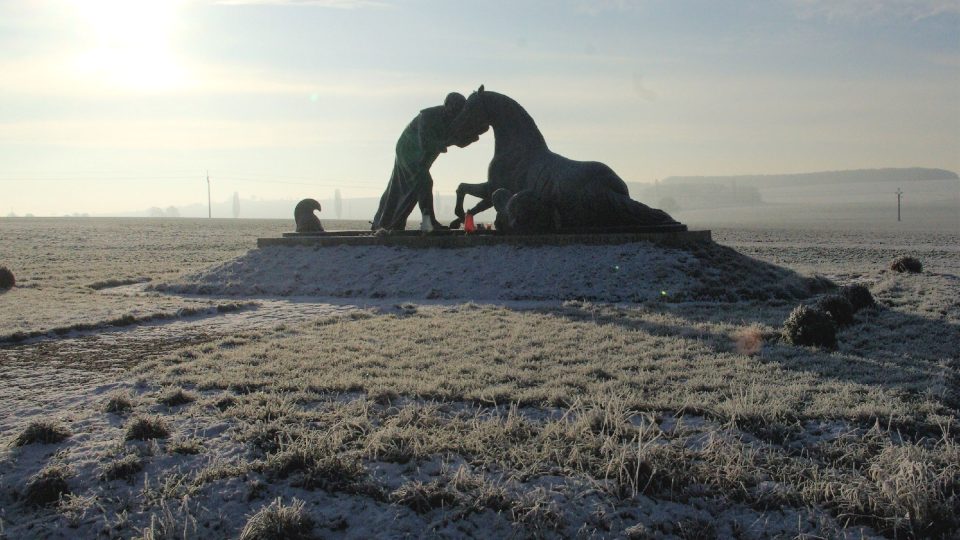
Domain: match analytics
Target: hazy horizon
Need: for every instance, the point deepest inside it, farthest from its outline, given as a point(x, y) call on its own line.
point(116, 105)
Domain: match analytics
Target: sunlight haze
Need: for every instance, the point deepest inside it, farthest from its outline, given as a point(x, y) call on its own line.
point(112, 106)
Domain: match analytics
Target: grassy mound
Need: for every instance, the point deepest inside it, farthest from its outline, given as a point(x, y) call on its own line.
point(809, 326)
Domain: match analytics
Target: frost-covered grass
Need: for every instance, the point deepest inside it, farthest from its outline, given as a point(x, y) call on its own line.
point(673, 419)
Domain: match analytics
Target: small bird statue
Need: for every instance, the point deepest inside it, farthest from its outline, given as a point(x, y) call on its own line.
point(306, 220)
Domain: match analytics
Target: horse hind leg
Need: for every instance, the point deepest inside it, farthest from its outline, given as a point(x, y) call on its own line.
point(629, 211)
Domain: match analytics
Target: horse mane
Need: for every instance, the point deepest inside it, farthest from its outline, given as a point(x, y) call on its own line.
point(511, 122)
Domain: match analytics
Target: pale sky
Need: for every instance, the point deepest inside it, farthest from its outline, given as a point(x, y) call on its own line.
point(119, 105)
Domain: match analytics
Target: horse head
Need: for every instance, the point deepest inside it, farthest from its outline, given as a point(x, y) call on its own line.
point(471, 122)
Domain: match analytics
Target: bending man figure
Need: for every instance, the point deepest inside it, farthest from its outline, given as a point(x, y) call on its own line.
point(423, 140)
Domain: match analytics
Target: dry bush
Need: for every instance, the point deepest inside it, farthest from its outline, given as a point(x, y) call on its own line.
point(838, 308)
point(42, 432)
point(906, 264)
point(808, 326)
point(177, 397)
point(122, 468)
point(277, 521)
point(749, 341)
point(143, 428)
point(47, 486)
point(859, 296)
point(7, 279)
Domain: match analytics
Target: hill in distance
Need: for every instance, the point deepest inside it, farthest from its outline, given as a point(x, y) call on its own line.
point(818, 178)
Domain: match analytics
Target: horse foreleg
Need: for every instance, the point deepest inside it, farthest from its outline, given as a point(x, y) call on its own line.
point(481, 191)
point(484, 204)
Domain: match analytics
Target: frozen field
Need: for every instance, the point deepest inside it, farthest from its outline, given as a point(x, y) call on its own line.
point(190, 393)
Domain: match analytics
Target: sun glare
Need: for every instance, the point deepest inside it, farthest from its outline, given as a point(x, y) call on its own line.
point(129, 43)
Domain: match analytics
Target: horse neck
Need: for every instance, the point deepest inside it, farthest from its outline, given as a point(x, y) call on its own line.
point(513, 128)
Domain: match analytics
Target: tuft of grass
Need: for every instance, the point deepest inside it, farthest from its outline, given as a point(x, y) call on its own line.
point(838, 308)
point(47, 486)
point(277, 521)
point(7, 279)
point(906, 264)
point(318, 465)
point(118, 403)
point(186, 446)
point(177, 397)
point(42, 432)
point(122, 468)
point(808, 326)
point(225, 402)
point(859, 296)
point(143, 428)
point(422, 498)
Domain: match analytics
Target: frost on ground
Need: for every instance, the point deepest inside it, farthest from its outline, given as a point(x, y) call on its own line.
point(359, 417)
point(635, 272)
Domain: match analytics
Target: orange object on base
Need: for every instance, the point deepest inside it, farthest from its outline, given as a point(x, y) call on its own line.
point(468, 224)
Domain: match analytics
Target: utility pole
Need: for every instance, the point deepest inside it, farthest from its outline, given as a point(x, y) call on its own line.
point(899, 195)
point(209, 201)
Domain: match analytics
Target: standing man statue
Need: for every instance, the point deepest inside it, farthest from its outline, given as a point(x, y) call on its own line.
point(423, 140)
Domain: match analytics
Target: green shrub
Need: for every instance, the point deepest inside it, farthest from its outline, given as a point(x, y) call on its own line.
point(838, 308)
point(906, 264)
point(809, 326)
point(859, 296)
point(7, 280)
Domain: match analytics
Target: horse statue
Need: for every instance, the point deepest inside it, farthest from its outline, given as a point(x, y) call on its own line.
point(574, 195)
point(306, 220)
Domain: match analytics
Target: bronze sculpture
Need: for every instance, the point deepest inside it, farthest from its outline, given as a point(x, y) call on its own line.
point(306, 220)
point(565, 194)
point(422, 141)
